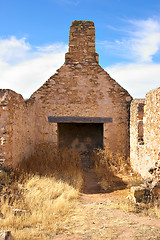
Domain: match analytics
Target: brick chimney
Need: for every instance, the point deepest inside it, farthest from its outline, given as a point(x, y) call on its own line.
point(81, 43)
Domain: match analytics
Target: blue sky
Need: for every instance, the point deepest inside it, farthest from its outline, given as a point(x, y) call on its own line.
point(34, 38)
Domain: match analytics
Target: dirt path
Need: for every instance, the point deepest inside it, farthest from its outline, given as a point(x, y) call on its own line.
point(97, 219)
point(91, 184)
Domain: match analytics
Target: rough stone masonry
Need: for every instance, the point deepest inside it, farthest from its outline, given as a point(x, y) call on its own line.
point(83, 108)
point(145, 133)
point(88, 108)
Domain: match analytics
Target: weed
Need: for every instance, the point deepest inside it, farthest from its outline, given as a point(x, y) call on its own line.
point(41, 195)
point(107, 167)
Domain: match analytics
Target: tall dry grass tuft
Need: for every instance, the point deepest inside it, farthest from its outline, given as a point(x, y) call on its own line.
point(108, 166)
point(64, 164)
point(116, 162)
point(40, 196)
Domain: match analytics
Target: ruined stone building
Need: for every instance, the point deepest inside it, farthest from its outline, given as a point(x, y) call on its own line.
point(80, 106)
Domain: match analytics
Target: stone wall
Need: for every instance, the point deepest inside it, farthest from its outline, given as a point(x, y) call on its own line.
point(17, 127)
point(81, 88)
point(145, 132)
point(88, 91)
point(152, 127)
point(137, 135)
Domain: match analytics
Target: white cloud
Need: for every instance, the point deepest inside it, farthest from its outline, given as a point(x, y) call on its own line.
point(140, 45)
point(136, 78)
point(141, 41)
point(13, 49)
point(24, 69)
point(146, 39)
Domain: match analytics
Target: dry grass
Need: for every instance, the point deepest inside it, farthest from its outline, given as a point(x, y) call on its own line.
point(115, 173)
point(46, 189)
point(65, 164)
point(150, 209)
point(108, 167)
point(47, 193)
point(116, 162)
point(48, 205)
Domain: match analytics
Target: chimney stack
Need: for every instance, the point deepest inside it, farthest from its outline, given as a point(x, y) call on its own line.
point(81, 43)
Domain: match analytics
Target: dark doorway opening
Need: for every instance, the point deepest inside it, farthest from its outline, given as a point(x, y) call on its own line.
point(81, 137)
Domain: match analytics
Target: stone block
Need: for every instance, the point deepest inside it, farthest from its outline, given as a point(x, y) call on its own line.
point(141, 194)
point(6, 235)
point(156, 192)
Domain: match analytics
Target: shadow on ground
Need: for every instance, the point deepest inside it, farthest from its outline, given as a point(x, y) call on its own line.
point(92, 185)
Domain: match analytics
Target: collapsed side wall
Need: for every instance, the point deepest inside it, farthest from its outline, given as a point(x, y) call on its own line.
point(137, 136)
point(16, 127)
point(4, 137)
point(145, 132)
point(152, 127)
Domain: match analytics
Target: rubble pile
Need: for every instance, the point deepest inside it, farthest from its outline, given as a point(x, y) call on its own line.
point(149, 191)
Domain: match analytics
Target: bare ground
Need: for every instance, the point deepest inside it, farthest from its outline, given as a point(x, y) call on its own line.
point(97, 218)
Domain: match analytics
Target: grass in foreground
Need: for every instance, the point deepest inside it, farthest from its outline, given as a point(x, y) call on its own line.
point(46, 190)
point(39, 197)
point(46, 206)
point(122, 202)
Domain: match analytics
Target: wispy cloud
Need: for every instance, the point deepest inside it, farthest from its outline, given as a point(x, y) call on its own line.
point(141, 41)
point(146, 39)
point(24, 68)
point(140, 44)
point(13, 49)
point(136, 78)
